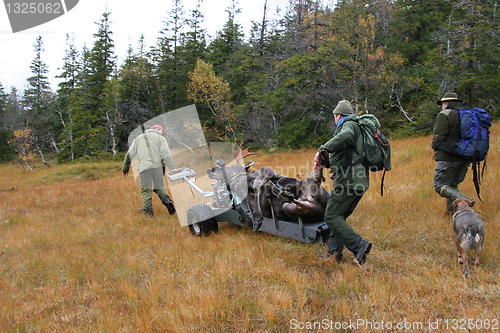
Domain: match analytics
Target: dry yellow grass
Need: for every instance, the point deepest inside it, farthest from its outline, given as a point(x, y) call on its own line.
point(76, 255)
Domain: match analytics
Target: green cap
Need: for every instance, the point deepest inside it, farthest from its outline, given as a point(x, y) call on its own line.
point(343, 108)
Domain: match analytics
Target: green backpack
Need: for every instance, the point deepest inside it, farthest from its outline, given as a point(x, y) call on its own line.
point(376, 155)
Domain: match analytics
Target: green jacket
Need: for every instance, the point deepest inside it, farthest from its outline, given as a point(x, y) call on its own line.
point(446, 129)
point(151, 153)
point(344, 149)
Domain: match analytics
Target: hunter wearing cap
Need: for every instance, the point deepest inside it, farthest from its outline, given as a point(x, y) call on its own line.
point(151, 150)
point(450, 169)
point(350, 181)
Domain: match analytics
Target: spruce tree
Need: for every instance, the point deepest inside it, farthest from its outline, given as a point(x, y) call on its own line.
point(231, 55)
point(137, 88)
point(3, 101)
point(170, 73)
point(39, 105)
point(96, 72)
point(65, 93)
point(6, 150)
point(82, 109)
point(194, 40)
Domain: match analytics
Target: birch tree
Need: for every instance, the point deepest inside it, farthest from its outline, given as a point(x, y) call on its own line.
point(214, 92)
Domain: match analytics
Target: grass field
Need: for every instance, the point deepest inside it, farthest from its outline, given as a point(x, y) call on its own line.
point(77, 255)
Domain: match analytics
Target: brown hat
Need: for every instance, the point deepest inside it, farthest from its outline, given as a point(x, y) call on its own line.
point(448, 97)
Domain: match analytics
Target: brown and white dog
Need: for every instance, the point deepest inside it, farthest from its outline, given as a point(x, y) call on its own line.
point(468, 229)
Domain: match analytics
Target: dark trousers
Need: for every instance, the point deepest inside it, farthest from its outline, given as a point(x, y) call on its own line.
point(340, 206)
point(450, 174)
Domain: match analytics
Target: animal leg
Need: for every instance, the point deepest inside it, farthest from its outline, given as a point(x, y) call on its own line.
point(460, 259)
point(258, 217)
point(258, 186)
point(478, 253)
point(479, 249)
point(463, 254)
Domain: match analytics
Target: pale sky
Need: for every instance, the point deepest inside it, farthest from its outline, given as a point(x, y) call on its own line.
point(129, 19)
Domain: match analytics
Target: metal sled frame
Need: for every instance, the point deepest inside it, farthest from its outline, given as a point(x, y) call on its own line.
point(296, 230)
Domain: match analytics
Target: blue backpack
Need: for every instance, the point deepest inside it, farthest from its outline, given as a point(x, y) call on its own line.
point(473, 146)
point(475, 131)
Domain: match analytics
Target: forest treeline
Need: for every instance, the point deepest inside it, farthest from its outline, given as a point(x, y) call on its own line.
point(275, 88)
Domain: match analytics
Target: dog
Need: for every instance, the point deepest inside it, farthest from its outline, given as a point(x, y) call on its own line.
point(468, 229)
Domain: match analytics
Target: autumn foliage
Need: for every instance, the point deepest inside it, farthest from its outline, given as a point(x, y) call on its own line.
point(213, 91)
point(22, 141)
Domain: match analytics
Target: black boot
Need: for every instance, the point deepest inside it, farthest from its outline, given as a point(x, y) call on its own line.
point(167, 202)
point(363, 249)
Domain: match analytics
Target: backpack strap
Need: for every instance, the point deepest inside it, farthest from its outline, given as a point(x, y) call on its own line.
point(475, 177)
point(147, 140)
point(382, 184)
point(484, 169)
point(359, 153)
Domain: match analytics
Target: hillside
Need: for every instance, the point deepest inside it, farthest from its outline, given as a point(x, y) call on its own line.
point(77, 255)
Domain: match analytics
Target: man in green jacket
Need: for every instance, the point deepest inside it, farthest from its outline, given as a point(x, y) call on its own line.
point(450, 169)
point(151, 149)
point(350, 180)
